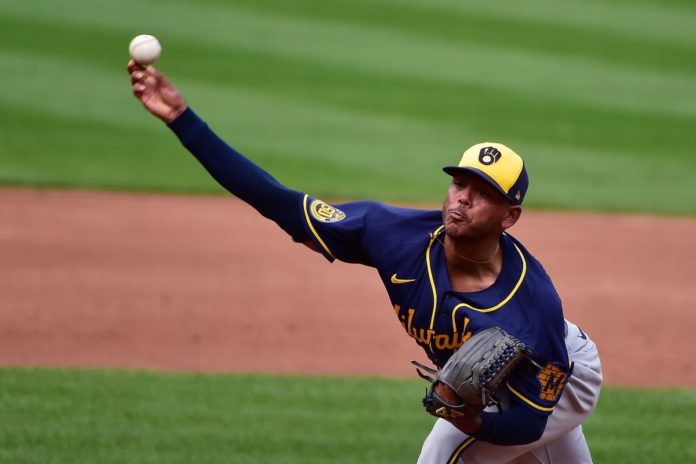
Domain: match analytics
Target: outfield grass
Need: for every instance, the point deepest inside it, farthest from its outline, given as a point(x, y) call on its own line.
point(68, 416)
point(51, 416)
point(362, 99)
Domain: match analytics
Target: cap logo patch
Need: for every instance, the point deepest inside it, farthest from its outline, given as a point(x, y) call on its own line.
point(325, 213)
point(489, 155)
point(518, 195)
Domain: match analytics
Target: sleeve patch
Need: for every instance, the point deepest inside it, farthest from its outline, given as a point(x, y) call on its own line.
point(325, 213)
point(552, 380)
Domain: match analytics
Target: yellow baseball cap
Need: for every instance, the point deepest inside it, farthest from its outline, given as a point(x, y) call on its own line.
point(497, 164)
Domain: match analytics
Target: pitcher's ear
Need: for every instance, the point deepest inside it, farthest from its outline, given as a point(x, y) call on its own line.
point(512, 216)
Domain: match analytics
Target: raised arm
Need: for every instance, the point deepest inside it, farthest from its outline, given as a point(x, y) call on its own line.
point(232, 170)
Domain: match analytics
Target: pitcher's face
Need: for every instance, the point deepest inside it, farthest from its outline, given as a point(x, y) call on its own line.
point(474, 209)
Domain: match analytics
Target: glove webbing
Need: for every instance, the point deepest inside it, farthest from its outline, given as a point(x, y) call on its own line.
point(488, 378)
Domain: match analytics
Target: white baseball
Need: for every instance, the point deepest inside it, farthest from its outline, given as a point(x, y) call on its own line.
point(145, 49)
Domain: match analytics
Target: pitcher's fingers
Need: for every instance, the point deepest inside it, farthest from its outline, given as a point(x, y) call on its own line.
point(137, 76)
point(161, 79)
point(132, 66)
point(153, 75)
point(139, 90)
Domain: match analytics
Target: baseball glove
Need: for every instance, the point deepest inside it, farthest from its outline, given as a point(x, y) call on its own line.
point(473, 374)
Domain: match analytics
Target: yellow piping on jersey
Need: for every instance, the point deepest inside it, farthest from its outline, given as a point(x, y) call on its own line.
point(309, 222)
point(433, 236)
point(458, 452)
point(502, 303)
point(528, 401)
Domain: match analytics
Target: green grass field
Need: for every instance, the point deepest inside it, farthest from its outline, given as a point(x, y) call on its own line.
point(334, 98)
point(58, 416)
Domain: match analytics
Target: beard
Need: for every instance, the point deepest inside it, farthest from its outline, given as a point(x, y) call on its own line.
point(460, 225)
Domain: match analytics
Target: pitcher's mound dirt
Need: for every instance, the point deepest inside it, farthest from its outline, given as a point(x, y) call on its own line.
point(206, 284)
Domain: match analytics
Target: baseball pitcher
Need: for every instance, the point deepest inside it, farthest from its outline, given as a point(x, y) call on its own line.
point(511, 380)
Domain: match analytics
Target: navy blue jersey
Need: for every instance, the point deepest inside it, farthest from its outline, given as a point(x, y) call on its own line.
point(405, 246)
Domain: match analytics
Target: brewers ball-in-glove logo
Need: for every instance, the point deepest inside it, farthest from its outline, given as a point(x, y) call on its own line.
point(325, 213)
point(489, 155)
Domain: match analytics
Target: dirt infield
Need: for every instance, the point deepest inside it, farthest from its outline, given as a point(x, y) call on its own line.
point(205, 284)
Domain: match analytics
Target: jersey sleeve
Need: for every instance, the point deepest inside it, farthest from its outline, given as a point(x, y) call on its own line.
point(539, 386)
point(339, 232)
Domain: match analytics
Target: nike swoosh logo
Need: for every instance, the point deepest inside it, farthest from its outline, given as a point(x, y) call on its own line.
point(397, 281)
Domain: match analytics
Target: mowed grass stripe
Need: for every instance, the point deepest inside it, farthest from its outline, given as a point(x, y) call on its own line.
point(614, 181)
point(543, 75)
point(358, 89)
point(431, 107)
point(591, 34)
point(288, 138)
point(158, 162)
point(618, 433)
point(355, 89)
point(669, 21)
point(481, 60)
point(151, 158)
point(338, 126)
point(473, 26)
point(111, 156)
point(112, 417)
point(61, 416)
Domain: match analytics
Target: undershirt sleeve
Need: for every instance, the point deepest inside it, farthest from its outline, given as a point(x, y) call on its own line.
point(240, 176)
point(517, 425)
